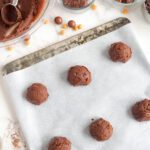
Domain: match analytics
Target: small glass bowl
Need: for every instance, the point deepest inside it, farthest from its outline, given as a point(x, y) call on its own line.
point(126, 5)
point(35, 26)
point(146, 13)
point(80, 8)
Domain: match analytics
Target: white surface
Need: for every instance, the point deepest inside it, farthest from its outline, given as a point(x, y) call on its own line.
point(48, 32)
point(69, 110)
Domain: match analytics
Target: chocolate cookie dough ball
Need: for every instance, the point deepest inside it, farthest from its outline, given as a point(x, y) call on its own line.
point(120, 52)
point(141, 110)
point(101, 130)
point(59, 143)
point(37, 93)
point(79, 75)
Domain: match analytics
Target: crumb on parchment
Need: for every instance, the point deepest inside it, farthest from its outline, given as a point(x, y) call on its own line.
point(62, 32)
point(27, 40)
point(93, 7)
point(15, 140)
point(9, 48)
point(80, 26)
point(75, 28)
point(125, 10)
point(46, 21)
point(64, 26)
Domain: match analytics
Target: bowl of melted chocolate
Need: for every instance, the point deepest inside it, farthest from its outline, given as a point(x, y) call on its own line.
point(30, 13)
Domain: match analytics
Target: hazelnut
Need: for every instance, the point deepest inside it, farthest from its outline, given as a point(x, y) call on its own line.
point(58, 20)
point(71, 23)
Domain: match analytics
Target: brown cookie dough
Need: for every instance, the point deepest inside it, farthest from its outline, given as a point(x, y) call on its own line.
point(30, 11)
point(141, 110)
point(101, 130)
point(37, 93)
point(79, 75)
point(126, 1)
point(75, 3)
point(59, 143)
point(120, 52)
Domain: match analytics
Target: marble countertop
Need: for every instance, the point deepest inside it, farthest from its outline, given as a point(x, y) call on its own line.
point(10, 132)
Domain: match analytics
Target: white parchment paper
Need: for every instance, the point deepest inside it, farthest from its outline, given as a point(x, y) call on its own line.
point(68, 112)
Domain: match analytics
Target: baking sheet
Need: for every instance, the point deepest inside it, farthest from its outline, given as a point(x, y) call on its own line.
point(68, 112)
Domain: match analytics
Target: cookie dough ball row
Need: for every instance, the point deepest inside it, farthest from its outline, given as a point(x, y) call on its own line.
point(100, 129)
point(37, 93)
point(78, 75)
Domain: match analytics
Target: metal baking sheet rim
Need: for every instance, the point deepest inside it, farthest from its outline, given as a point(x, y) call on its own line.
point(64, 45)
